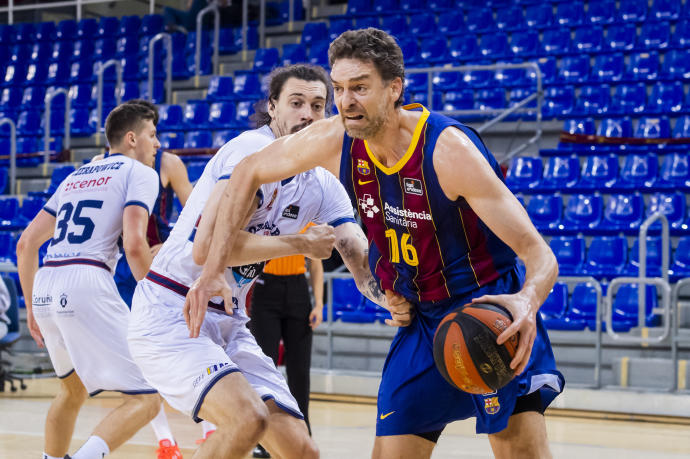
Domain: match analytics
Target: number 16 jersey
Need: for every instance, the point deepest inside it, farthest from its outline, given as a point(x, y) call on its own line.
point(88, 206)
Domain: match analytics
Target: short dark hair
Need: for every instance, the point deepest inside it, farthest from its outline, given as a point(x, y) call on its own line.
point(276, 81)
point(150, 105)
point(372, 45)
point(124, 118)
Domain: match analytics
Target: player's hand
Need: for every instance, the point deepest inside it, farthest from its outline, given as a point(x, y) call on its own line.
point(196, 302)
point(34, 329)
point(401, 310)
point(155, 249)
point(524, 323)
point(319, 241)
point(316, 316)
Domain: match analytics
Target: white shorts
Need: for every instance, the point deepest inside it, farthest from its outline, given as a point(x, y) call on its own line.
point(84, 324)
point(184, 369)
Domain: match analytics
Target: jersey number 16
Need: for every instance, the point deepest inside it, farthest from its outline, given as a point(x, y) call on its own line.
point(409, 253)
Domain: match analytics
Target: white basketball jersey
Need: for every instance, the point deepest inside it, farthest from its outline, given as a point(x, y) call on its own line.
point(284, 208)
point(88, 207)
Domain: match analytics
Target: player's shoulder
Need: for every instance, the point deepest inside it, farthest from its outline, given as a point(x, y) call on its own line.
point(141, 169)
point(247, 142)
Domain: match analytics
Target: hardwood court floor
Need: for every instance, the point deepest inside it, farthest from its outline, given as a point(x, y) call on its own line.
point(346, 430)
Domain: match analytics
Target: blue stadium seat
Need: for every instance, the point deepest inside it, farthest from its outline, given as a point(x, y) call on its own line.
point(666, 10)
point(41, 52)
point(243, 111)
point(87, 29)
point(394, 24)
point(171, 140)
point(220, 138)
point(82, 50)
point(433, 51)
point(80, 95)
point(463, 48)
point(3, 171)
point(676, 65)
point(10, 98)
point(246, 86)
point(633, 10)
point(682, 127)
point(666, 98)
point(680, 266)
point(623, 213)
point(598, 173)
point(606, 257)
point(539, 15)
point(546, 212)
point(266, 59)
point(104, 49)
point(654, 35)
point(628, 99)
point(131, 90)
point(198, 139)
point(681, 36)
point(549, 70)
point(510, 18)
point(416, 82)
point(639, 172)
point(452, 23)
point(621, 37)
point(359, 7)
point(24, 32)
point(493, 45)
point(30, 208)
point(318, 53)
point(479, 78)
point(675, 172)
point(9, 208)
point(21, 53)
point(338, 25)
point(422, 25)
point(556, 304)
point(129, 25)
point(588, 39)
point(561, 173)
point(15, 75)
point(673, 206)
point(151, 24)
point(170, 118)
point(66, 30)
point(196, 114)
point(345, 294)
point(524, 44)
point(127, 46)
point(556, 41)
point(593, 101)
point(423, 98)
point(524, 174)
point(653, 128)
point(194, 170)
point(558, 101)
point(108, 27)
point(293, 54)
point(32, 98)
point(570, 253)
point(574, 69)
point(59, 73)
point(569, 14)
point(45, 31)
point(220, 88)
point(29, 123)
point(603, 12)
point(458, 100)
point(643, 66)
point(490, 99)
point(221, 115)
point(410, 50)
point(81, 72)
point(626, 307)
point(583, 213)
point(364, 22)
point(584, 126)
point(480, 20)
point(583, 304)
point(608, 67)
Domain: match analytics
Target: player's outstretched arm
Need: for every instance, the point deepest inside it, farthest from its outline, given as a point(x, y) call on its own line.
point(39, 230)
point(496, 206)
point(354, 250)
point(135, 220)
point(318, 144)
point(176, 172)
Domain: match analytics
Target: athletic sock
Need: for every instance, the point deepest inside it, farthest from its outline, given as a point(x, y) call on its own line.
point(94, 448)
point(208, 427)
point(48, 456)
point(161, 427)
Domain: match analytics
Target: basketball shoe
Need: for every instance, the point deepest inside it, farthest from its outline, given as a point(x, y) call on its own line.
point(168, 450)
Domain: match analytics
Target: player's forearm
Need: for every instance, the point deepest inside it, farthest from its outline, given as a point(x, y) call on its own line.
point(139, 258)
point(354, 251)
point(316, 278)
point(541, 272)
point(253, 248)
point(27, 265)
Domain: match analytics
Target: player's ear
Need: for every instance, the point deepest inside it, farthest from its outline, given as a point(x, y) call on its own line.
point(271, 108)
point(396, 86)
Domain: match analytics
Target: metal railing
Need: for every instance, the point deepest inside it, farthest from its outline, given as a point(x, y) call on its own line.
point(78, 4)
point(100, 70)
point(13, 153)
point(665, 248)
point(167, 40)
point(676, 339)
point(212, 7)
point(66, 139)
point(501, 114)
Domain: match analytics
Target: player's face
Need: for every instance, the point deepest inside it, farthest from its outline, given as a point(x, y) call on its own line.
point(364, 100)
point(300, 103)
point(146, 144)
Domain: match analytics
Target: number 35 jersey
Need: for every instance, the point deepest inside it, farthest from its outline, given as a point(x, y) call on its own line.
point(423, 245)
point(88, 206)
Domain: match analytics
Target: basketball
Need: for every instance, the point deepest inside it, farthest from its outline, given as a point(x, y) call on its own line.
point(466, 352)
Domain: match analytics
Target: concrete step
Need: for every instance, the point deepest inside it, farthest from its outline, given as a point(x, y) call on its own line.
point(80, 154)
point(277, 41)
point(324, 11)
point(32, 184)
point(44, 170)
point(181, 96)
point(649, 373)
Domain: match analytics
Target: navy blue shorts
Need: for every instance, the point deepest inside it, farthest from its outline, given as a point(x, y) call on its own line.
point(414, 398)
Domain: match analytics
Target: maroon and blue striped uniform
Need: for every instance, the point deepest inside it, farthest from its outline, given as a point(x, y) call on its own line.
point(439, 255)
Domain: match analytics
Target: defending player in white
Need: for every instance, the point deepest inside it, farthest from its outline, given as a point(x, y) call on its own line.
point(75, 308)
point(218, 372)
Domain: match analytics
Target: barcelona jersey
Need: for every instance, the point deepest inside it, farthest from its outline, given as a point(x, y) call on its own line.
point(422, 245)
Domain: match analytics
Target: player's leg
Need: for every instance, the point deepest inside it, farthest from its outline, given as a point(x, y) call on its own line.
point(525, 437)
point(402, 447)
point(287, 436)
point(240, 416)
point(62, 415)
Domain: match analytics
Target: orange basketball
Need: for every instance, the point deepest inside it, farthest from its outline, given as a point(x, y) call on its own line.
point(465, 349)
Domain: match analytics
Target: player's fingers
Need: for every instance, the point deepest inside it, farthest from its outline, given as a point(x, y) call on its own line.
point(508, 332)
point(523, 344)
point(528, 354)
point(486, 299)
point(227, 299)
point(185, 311)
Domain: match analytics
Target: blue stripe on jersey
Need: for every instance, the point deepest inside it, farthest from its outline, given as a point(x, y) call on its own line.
point(138, 203)
point(50, 211)
point(341, 221)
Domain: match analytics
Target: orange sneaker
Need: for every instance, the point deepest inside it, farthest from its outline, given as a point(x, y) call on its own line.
point(201, 440)
point(168, 450)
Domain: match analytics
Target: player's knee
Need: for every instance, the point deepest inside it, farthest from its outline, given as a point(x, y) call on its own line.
point(73, 392)
point(255, 421)
point(309, 449)
point(148, 404)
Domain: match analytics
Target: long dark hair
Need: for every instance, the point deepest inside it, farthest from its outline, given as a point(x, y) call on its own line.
point(276, 81)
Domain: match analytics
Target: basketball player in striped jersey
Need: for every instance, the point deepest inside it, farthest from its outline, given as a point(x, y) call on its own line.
point(74, 308)
point(443, 231)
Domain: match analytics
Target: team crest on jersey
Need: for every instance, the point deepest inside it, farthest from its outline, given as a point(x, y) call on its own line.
point(363, 167)
point(247, 273)
point(65, 306)
point(291, 211)
point(491, 405)
point(413, 186)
